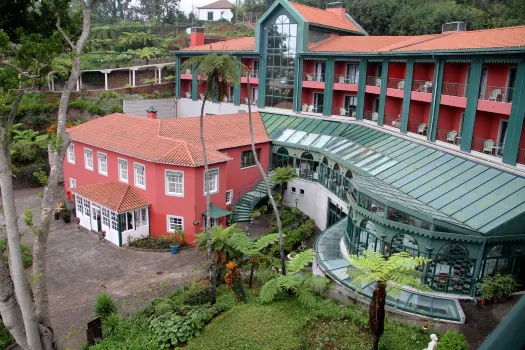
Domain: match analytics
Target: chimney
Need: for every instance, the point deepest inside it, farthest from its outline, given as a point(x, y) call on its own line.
point(337, 9)
point(152, 113)
point(196, 36)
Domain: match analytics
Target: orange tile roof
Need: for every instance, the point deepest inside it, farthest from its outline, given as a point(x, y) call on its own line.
point(169, 141)
point(117, 196)
point(324, 18)
point(477, 39)
point(246, 43)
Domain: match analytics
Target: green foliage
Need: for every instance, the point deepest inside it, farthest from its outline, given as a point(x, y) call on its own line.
point(452, 340)
point(149, 242)
point(169, 78)
point(282, 175)
point(198, 294)
point(25, 172)
point(111, 325)
point(104, 306)
point(496, 286)
point(27, 253)
point(293, 234)
point(26, 144)
point(5, 337)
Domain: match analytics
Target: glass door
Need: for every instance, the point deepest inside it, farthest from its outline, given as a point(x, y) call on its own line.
point(95, 218)
point(350, 105)
point(483, 85)
point(352, 73)
point(318, 102)
point(319, 71)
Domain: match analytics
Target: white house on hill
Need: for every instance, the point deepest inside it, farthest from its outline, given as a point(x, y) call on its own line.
point(221, 9)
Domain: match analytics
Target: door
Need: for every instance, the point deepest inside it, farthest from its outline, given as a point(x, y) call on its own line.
point(95, 218)
point(483, 85)
point(319, 71)
point(255, 95)
point(350, 105)
point(352, 73)
point(510, 84)
point(502, 136)
point(255, 69)
point(318, 102)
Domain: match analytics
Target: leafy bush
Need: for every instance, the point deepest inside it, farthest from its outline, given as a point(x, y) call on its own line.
point(5, 337)
point(294, 236)
point(25, 173)
point(452, 341)
point(111, 325)
point(27, 253)
point(496, 286)
point(149, 242)
point(105, 95)
point(104, 306)
point(197, 295)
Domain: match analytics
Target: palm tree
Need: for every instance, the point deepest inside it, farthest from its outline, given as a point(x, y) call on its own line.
point(399, 269)
point(265, 178)
point(282, 175)
point(146, 54)
point(218, 73)
point(103, 33)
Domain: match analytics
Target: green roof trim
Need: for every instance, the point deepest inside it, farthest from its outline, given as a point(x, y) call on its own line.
point(216, 212)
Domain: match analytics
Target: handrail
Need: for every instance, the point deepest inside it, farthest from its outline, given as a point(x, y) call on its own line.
point(248, 187)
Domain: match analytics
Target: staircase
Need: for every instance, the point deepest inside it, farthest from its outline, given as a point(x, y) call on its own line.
point(249, 200)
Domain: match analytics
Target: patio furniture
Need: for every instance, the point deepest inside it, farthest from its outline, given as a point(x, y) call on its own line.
point(188, 94)
point(457, 141)
point(354, 114)
point(202, 96)
point(421, 128)
point(304, 108)
point(225, 99)
point(375, 116)
point(342, 111)
point(378, 82)
point(310, 108)
point(426, 87)
point(246, 100)
point(495, 94)
point(396, 123)
point(401, 85)
point(309, 77)
point(188, 71)
point(488, 145)
point(341, 79)
point(451, 136)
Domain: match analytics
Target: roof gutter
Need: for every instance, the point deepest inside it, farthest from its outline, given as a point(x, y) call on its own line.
point(492, 51)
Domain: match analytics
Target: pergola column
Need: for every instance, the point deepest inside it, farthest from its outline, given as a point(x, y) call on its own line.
point(407, 95)
point(105, 80)
point(517, 115)
point(78, 83)
point(160, 75)
point(474, 82)
point(134, 77)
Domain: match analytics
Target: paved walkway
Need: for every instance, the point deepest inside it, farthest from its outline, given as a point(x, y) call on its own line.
point(80, 267)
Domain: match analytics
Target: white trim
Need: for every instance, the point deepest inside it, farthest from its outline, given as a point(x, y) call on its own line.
point(166, 185)
point(99, 168)
point(135, 175)
point(168, 217)
point(72, 183)
point(204, 181)
point(248, 167)
point(231, 197)
point(69, 153)
point(120, 178)
point(86, 150)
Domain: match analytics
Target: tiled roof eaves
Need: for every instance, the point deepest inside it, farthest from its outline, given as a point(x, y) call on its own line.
point(335, 28)
point(242, 144)
point(483, 51)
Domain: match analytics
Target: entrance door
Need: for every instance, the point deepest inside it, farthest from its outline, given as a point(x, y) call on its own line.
point(318, 102)
point(350, 105)
point(95, 218)
point(502, 136)
point(510, 84)
point(483, 85)
point(319, 71)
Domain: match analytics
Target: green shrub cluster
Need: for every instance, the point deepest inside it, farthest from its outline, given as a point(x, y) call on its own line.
point(294, 235)
point(149, 242)
point(27, 253)
point(5, 337)
point(198, 295)
point(497, 286)
point(452, 341)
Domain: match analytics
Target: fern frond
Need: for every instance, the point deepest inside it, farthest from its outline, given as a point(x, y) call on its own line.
point(266, 275)
point(300, 261)
point(317, 284)
point(265, 241)
point(269, 291)
point(306, 297)
point(289, 283)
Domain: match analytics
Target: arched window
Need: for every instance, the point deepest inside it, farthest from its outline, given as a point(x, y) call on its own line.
point(348, 174)
point(453, 249)
point(501, 250)
point(496, 260)
point(336, 168)
point(405, 242)
point(282, 158)
point(282, 150)
point(282, 19)
point(307, 155)
point(307, 164)
point(368, 225)
point(325, 161)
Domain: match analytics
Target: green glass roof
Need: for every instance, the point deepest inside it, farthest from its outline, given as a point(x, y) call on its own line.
point(436, 183)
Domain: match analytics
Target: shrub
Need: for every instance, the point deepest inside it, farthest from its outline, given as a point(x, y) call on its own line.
point(111, 325)
point(452, 341)
point(496, 286)
point(149, 242)
point(108, 95)
point(24, 173)
point(5, 337)
point(197, 295)
point(27, 253)
point(104, 306)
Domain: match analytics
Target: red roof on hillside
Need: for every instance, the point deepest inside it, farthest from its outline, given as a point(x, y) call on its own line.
point(117, 196)
point(325, 18)
point(246, 43)
point(169, 141)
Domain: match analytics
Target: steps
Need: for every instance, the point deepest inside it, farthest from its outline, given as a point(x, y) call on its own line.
point(249, 201)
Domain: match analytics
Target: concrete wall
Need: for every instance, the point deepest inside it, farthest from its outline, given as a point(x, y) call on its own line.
point(314, 202)
point(225, 14)
point(165, 107)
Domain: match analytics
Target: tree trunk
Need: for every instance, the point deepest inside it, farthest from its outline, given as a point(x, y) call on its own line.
point(266, 183)
point(377, 313)
point(58, 151)
point(251, 273)
point(207, 228)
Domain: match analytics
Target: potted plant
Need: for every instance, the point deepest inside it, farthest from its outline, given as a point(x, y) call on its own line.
point(66, 216)
point(175, 239)
point(77, 220)
point(196, 222)
point(254, 214)
point(102, 235)
point(486, 290)
point(57, 214)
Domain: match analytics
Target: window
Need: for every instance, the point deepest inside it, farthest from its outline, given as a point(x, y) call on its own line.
point(105, 217)
point(88, 159)
point(255, 71)
point(352, 73)
point(123, 170)
point(213, 181)
point(71, 153)
point(126, 221)
point(72, 183)
point(174, 183)
point(114, 222)
point(87, 206)
point(247, 158)
point(141, 216)
point(371, 205)
point(102, 163)
point(174, 221)
point(229, 197)
point(140, 175)
point(210, 15)
point(404, 218)
point(301, 192)
point(79, 204)
point(293, 189)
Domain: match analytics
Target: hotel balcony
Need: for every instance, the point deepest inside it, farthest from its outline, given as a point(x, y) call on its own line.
point(314, 76)
point(344, 111)
point(373, 81)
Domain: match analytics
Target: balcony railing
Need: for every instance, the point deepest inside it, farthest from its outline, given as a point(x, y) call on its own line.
point(450, 136)
point(497, 94)
point(345, 112)
point(416, 127)
point(487, 146)
point(228, 99)
point(395, 83)
point(346, 79)
point(373, 81)
point(314, 76)
point(392, 120)
point(454, 89)
point(369, 115)
point(254, 74)
point(521, 155)
point(422, 85)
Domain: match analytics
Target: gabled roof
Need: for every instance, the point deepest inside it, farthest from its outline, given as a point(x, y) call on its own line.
point(218, 5)
point(325, 18)
point(117, 196)
point(510, 37)
point(169, 141)
point(246, 43)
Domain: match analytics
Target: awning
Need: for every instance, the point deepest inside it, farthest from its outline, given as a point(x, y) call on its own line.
point(216, 212)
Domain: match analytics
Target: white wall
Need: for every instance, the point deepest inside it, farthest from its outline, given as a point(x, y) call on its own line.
point(188, 108)
point(135, 234)
point(165, 107)
point(226, 14)
point(314, 202)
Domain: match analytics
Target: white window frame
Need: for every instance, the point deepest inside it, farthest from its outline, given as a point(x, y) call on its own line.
point(113, 220)
point(120, 177)
point(230, 192)
point(135, 175)
point(168, 224)
point(141, 217)
point(211, 172)
point(86, 151)
point(78, 204)
point(105, 214)
point(166, 183)
point(99, 163)
point(71, 153)
point(72, 183)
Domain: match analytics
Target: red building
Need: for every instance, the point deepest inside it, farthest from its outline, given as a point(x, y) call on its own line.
point(135, 176)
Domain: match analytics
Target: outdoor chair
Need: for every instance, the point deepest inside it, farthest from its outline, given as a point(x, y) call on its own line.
point(342, 111)
point(378, 82)
point(225, 99)
point(188, 71)
point(375, 116)
point(188, 94)
point(494, 94)
point(246, 100)
point(309, 77)
point(202, 96)
point(451, 136)
point(401, 85)
point(488, 145)
point(341, 79)
point(304, 108)
point(396, 123)
point(421, 128)
point(353, 114)
point(310, 108)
